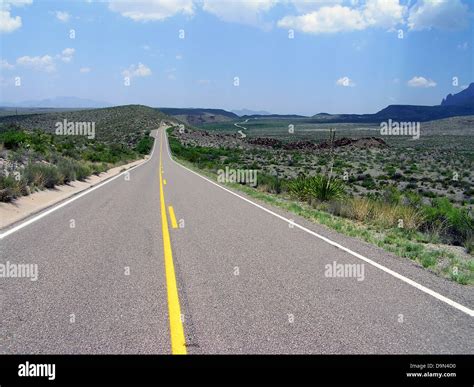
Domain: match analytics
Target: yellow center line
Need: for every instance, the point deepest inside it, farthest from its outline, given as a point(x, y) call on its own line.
point(178, 341)
point(174, 224)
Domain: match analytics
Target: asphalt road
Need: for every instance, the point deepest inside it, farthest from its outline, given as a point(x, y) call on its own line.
point(247, 280)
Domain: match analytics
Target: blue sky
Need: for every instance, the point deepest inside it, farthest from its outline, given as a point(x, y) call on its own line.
point(345, 56)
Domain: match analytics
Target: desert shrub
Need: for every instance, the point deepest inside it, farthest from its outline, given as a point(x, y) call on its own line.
point(316, 188)
point(82, 171)
point(13, 139)
point(97, 168)
point(384, 213)
point(144, 145)
point(67, 170)
point(469, 243)
point(42, 175)
point(392, 195)
point(11, 188)
point(297, 189)
point(457, 224)
point(269, 183)
point(360, 209)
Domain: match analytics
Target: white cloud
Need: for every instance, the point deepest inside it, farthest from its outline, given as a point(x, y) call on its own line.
point(45, 63)
point(66, 55)
point(441, 14)
point(337, 18)
point(306, 6)
point(9, 23)
point(146, 47)
point(421, 82)
point(235, 11)
point(203, 81)
point(179, 57)
point(326, 20)
point(62, 16)
point(41, 63)
point(5, 65)
point(85, 70)
point(384, 13)
point(139, 70)
point(345, 82)
point(151, 10)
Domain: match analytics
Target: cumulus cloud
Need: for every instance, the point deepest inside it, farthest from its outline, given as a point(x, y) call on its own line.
point(46, 63)
point(9, 23)
point(245, 12)
point(40, 63)
point(62, 16)
point(66, 55)
point(151, 10)
point(326, 20)
point(311, 16)
point(305, 6)
point(441, 14)
point(345, 82)
point(338, 18)
point(421, 82)
point(85, 70)
point(5, 65)
point(139, 70)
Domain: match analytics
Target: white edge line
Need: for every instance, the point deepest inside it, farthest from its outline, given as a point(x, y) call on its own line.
point(74, 198)
point(409, 281)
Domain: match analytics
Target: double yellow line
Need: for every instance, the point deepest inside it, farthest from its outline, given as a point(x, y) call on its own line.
point(178, 341)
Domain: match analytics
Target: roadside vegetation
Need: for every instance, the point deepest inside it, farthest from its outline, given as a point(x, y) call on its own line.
point(432, 230)
point(35, 159)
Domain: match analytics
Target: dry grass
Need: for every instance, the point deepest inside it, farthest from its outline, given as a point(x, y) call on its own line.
point(384, 214)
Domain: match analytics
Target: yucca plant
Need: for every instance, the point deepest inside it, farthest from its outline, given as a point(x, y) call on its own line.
point(297, 188)
point(324, 188)
point(317, 187)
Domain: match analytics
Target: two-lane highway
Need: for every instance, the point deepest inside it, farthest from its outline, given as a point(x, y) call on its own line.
point(169, 262)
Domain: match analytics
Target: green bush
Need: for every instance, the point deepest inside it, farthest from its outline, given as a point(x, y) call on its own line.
point(11, 188)
point(316, 187)
point(297, 188)
point(144, 145)
point(42, 175)
point(13, 139)
point(82, 171)
point(67, 170)
point(269, 183)
point(457, 224)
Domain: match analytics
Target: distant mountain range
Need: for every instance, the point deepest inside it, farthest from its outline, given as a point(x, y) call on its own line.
point(248, 112)
point(195, 116)
point(58, 102)
point(459, 104)
point(465, 97)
